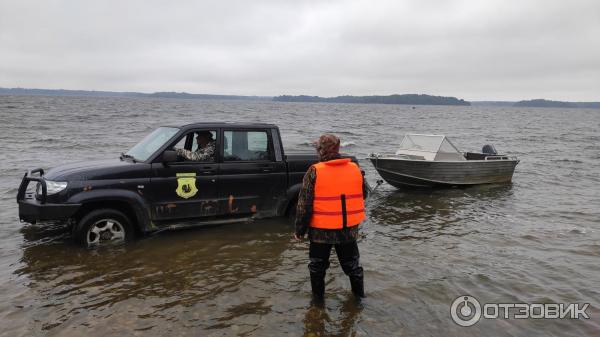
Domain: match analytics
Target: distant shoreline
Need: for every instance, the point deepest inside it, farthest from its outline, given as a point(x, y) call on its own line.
point(539, 103)
point(407, 99)
point(404, 99)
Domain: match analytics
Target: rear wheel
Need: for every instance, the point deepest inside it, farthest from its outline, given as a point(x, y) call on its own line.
point(291, 211)
point(103, 227)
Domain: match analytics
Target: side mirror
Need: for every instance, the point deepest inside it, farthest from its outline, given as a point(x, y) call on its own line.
point(169, 156)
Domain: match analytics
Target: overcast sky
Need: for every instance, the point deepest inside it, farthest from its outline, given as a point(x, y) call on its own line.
point(476, 50)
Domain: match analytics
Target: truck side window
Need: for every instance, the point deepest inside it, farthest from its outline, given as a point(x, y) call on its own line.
point(246, 146)
point(181, 143)
point(189, 142)
point(195, 139)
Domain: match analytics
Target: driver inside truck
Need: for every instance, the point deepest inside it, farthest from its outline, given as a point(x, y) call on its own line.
point(205, 150)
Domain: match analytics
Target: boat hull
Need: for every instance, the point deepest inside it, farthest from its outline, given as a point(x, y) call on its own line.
point(420, 173)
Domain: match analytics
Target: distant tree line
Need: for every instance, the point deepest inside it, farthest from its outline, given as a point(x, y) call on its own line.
point(185, 95)
point(544, 103)
point(93, 93)
point(410, 99)
point(64, 92)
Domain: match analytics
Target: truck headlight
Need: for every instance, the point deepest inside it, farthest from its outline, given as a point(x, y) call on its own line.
point(52, 187)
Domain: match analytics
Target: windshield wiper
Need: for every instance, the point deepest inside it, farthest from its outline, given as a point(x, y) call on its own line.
point(125, 155)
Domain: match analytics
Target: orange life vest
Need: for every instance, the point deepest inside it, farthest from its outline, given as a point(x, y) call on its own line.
point(338, 201)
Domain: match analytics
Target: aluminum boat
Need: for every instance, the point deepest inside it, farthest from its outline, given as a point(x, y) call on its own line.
point(432, 160)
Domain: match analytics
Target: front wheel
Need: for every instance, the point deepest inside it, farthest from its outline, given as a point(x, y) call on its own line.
point(102, 227)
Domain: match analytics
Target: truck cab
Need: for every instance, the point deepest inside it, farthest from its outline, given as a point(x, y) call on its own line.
point(155, 186)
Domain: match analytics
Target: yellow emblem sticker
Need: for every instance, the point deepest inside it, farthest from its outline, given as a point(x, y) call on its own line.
point(186, 185)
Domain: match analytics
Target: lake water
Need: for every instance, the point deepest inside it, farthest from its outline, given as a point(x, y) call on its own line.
point(535, 240)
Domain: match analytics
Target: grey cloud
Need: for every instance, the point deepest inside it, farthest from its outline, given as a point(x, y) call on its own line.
point(473, 50)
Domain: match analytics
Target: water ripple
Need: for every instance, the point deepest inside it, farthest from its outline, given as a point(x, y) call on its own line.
point(534, 240)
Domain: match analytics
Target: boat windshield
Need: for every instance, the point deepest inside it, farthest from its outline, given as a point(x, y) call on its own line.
point(429, 147)
point(428, 143)
point(152, 142)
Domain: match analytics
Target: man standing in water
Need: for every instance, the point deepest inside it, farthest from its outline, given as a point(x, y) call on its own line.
point(330, 207)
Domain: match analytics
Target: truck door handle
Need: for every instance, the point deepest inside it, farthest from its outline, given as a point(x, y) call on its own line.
point(266, 168)
point(207, 170)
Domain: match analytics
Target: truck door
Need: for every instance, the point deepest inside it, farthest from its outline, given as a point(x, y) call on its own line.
point(186, 188)
point(251, 180)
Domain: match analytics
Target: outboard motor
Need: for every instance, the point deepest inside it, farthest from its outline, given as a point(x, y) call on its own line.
point(489, 149)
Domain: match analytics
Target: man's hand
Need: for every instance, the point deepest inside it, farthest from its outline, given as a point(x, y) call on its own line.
point(298, 238)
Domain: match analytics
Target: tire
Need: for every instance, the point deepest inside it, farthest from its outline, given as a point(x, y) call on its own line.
point(291, 211)
point(103, 227)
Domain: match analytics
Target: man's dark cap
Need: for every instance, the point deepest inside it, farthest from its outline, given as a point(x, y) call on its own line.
point(206, 134)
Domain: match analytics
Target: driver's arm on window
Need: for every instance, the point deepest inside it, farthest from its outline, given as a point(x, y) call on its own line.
point(201, 154)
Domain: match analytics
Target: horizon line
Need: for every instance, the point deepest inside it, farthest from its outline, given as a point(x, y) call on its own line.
point(272, 96)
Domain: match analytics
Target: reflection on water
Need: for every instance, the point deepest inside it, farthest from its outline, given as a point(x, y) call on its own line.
point(337, 321)
point(422, 214)
point(182, 268)
point(535, 240)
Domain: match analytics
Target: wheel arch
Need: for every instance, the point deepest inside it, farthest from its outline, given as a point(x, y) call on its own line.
point(127, 202)
point(291, 198)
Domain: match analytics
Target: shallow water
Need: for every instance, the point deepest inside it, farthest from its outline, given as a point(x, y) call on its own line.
point(535, 240)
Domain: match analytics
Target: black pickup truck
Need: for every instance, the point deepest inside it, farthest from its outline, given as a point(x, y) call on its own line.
point(152, 187)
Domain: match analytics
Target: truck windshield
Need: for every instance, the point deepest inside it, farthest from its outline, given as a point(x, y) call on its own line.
point(152, 142)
